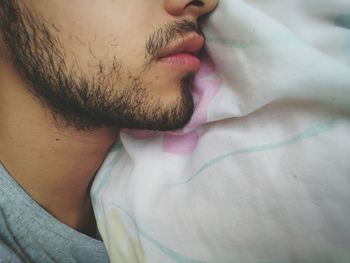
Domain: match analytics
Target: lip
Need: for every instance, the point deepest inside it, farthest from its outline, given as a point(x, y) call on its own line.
point(191, 44)
point(184, 54)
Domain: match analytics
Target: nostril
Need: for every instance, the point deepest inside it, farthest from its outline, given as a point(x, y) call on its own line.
point(195, 3)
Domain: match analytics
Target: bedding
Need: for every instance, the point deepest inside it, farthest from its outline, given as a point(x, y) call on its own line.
point(262, 171)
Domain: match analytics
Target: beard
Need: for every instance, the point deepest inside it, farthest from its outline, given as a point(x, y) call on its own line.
point(90, 101)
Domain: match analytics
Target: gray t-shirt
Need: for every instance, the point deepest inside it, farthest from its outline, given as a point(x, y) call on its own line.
point(30, 234)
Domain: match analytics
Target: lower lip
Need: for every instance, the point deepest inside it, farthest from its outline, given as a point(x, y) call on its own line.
point(182, 61)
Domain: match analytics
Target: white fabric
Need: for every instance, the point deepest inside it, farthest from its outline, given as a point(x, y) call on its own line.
point(262, 172)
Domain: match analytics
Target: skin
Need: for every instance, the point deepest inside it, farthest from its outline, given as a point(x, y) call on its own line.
point(54, 144)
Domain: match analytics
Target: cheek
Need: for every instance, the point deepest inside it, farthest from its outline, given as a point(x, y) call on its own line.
point(97, 34)
point(89, 48)
point(94, 33)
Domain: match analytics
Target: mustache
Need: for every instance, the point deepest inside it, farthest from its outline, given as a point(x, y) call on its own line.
point(163, 37)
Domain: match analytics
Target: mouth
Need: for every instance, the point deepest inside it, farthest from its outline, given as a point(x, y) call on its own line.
point(184, 55)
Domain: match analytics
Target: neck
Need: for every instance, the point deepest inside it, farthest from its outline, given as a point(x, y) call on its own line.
point(55, 166)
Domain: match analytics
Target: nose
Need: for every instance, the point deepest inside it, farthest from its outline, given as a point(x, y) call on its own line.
point(194, 8)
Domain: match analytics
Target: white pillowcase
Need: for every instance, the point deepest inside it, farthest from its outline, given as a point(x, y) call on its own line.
point(262, 171)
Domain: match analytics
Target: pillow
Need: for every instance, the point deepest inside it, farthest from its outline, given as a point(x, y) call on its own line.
point(261, 173)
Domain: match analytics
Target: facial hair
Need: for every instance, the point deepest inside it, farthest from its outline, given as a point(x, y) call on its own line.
point(90, 102)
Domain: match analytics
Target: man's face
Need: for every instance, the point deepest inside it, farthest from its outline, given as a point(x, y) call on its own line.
point(107, 63)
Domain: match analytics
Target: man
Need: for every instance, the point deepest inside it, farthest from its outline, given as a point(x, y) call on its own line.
point(71, 73)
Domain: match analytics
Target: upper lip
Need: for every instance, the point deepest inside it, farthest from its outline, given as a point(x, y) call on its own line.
point(192, 44)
